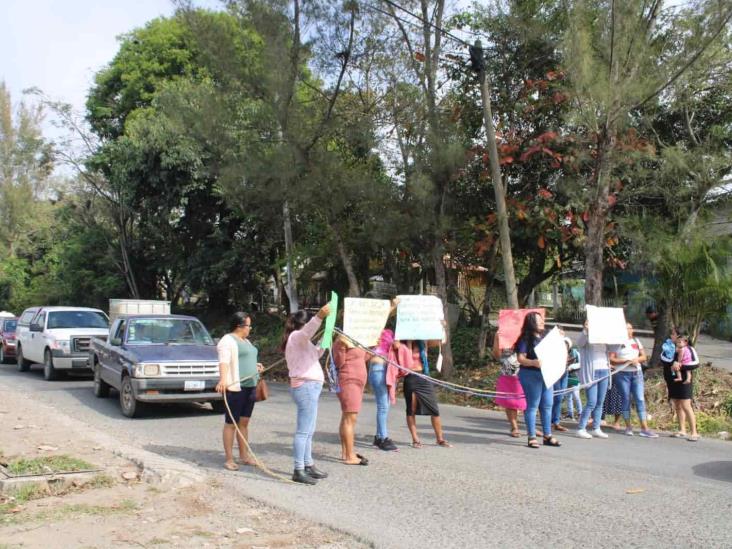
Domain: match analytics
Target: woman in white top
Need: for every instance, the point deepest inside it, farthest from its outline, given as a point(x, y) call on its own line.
point(238, 376)
point(594, 369)
point(627, 358)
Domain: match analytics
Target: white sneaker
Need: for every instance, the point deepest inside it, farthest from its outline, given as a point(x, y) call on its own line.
point(582, 433)
point(599, 434)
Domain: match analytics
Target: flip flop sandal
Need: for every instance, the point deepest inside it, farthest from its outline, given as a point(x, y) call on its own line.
point(679, 435)
point(444, 443)
point(693, 439)
point(231, 466)
point(533, 443)
point(364, 461)
point(416, 444)
point(551, 441)
point(515, 434)
point(560, 428)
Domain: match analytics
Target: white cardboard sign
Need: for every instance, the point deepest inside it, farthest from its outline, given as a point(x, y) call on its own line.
point(552, 354)
point(364, 319)
point(419, 317)
point(606, 325)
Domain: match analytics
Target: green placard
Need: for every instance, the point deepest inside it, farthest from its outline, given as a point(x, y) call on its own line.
point(330, 321)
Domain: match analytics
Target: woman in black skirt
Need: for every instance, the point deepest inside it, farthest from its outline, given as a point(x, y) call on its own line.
point(679, 394)
point(419, 393)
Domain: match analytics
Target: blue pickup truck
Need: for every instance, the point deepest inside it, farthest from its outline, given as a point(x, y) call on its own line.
point(156, 359)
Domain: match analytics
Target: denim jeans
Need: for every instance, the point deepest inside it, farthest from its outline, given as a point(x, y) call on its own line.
point(574, 398)
point(631, 383)
point(557, 406)
point(595, 399)
point(377, 380)
point(538, 397)
point(306, 398)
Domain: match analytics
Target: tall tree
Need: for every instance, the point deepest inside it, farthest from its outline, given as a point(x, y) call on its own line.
point(621, 56)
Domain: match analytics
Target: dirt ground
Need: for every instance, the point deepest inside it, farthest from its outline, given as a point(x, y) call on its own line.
point(116, 508)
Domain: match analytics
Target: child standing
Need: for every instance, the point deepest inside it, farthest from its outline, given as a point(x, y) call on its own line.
point(573, 366)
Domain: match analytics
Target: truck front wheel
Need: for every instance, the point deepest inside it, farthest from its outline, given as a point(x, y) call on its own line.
point(49, 372)
point(23, 364)
point(101, 387)
point(130, 406)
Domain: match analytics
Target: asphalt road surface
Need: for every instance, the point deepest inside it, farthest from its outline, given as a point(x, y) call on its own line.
point(488, 491)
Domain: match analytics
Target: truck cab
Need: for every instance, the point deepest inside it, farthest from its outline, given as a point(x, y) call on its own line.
point(156, 359)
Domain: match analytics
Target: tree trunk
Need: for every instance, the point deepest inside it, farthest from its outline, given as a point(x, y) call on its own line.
point(598, 216)
point(501, 210)
point(663, 327)
point(438, 259)
point(353, 287)
point(485, 325)
point(291, 287)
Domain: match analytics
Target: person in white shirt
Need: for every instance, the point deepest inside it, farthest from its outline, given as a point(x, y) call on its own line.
point(627, 358)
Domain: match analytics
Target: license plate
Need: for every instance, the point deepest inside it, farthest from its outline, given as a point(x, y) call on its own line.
point(194, 385)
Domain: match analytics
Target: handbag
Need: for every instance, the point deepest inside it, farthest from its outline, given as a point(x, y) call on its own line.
point(262, 391)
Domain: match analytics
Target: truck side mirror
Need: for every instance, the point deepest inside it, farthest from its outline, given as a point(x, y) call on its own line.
point(35, 328)
point(116, 341)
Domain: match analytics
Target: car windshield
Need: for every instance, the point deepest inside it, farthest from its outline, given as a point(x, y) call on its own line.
point(77, 319)
point(10, 325)
point(167, 331)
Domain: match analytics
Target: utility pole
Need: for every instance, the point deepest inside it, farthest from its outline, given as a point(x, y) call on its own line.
point(478, 63)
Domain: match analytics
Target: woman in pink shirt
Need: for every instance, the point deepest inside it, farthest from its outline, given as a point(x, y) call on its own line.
point(306, 383)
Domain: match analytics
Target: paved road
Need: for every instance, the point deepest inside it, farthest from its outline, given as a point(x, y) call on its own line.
point(487, 491)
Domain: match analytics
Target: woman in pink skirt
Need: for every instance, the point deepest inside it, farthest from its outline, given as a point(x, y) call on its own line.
point(511, 395)
point(350, 362)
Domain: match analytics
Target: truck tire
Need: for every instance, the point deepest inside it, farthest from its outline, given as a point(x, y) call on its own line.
point(218, 406)
point(49, 372)
point(101, 387)
point(3, 358)
point(130, 406)
point(23, 364)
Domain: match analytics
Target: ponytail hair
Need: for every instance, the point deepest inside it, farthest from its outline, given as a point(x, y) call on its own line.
point(294, 322)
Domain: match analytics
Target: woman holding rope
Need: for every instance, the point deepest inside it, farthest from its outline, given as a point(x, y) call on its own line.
point(538, 396)
point(509, 386)
point(238, 376)
point(306, 383)
point(595, 372)
point(419, 393)
point(350, 361)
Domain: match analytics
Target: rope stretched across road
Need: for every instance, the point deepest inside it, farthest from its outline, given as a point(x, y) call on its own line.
point(470, 391)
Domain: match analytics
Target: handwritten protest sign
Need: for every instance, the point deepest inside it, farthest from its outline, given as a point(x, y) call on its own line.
point(552, 354)
point(330, 320)
point(509, 325)
point(606, 325)
point(364, 319)
point(419, 317)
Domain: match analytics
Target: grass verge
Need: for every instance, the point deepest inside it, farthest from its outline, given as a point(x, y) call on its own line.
point(47, 465)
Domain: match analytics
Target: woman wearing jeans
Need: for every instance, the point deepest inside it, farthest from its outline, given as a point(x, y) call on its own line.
point(594, 369)
point(538, 396)
point(628, 357)
point(378, 370)
point(306, 383)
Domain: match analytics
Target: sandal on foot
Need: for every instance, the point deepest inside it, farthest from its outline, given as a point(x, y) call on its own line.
point(560, 428)
point(693, 438)
point(416, 444)
point(444, 443)
point(533, 443)
point(231, 466)
point(679, 435)
point(515, 434)
point(364, 460)
point(551, 441)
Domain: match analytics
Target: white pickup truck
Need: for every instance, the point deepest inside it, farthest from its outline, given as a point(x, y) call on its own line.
point(58, 337)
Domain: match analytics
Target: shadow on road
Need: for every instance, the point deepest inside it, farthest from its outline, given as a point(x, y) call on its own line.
point(110, 406)
point(714, 470)
point(208, 459)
